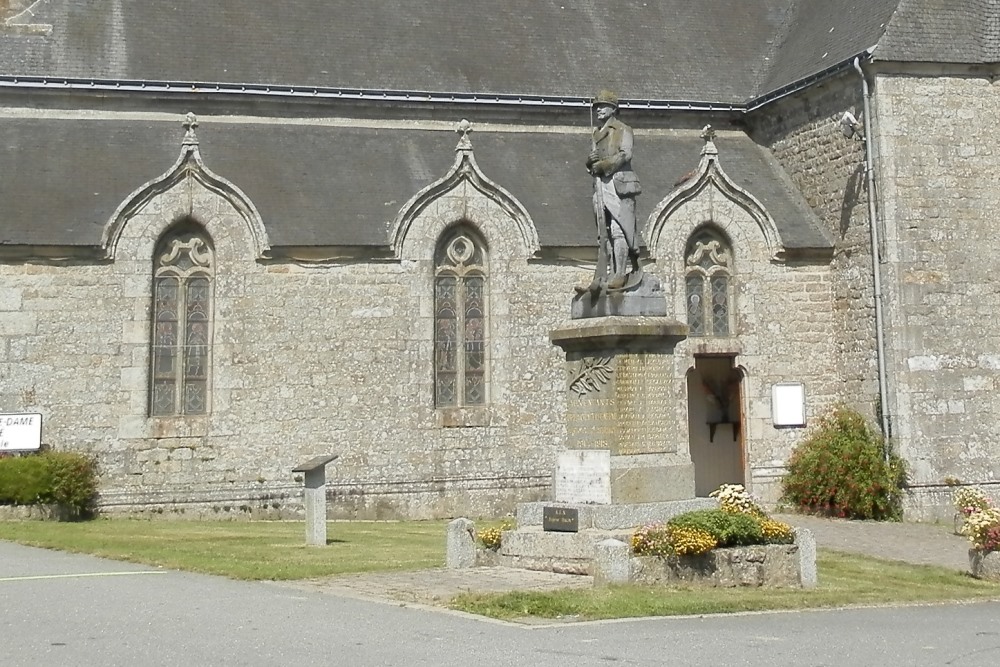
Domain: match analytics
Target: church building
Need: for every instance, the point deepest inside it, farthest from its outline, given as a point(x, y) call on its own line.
point(235, 236)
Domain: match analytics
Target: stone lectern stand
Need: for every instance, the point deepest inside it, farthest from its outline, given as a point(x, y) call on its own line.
point(314, 498)
point(626, 406)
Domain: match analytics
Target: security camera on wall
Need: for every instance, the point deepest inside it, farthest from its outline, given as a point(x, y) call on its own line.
point(850, 126)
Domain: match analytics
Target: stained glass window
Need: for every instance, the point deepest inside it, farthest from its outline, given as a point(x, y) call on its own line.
point(182, 324)
point(709, 284)
point(461, 338)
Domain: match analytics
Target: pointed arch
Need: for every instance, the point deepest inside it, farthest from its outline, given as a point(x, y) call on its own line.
point(463, 175)
point(189, 168)
point(709, 175)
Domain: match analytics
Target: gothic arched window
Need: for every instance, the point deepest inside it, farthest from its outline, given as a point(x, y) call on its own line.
point(183, 271)
point(708, 279)
point(460, 324)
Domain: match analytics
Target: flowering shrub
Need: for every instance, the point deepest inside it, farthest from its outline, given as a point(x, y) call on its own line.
point(665, 540)
point(841, 469)
point(652, 540)
point(491, 537)
point(734, 498)
point(982, 527)
point(691, 541)
point(776, 532)
point(969, 499)
point(740, 520)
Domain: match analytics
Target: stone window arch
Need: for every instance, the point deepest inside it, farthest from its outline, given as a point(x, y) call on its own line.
point(461, 326)
point(708, 281)
point(182, 319)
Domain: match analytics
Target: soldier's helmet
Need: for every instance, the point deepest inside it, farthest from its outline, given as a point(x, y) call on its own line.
point(606, 98)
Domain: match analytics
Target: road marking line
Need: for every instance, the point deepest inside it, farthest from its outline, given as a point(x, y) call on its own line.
point(83, 574)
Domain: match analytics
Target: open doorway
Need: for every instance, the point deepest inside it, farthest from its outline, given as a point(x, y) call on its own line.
point(715, 423)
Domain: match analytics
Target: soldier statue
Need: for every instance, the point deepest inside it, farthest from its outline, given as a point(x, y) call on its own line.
point(615, 189)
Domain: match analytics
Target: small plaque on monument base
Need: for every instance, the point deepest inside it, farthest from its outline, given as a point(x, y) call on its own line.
point(561, 519)
point(583, 476)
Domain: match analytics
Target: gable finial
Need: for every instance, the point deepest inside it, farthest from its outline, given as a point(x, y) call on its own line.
point(708, 134)
point(464, 129)
point(190, 125)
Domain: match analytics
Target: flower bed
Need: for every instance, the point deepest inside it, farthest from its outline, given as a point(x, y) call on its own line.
point(769, 565)
point(735, 545)
point(981, 525)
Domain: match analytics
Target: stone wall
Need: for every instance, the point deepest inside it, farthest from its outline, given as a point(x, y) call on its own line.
point(782, 323)
point(803, 133)
point(308, 359)
point(937, 137)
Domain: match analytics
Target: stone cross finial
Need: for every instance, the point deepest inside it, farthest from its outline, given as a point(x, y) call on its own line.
point(190, 125)
point(464, 129)
point(708, 134)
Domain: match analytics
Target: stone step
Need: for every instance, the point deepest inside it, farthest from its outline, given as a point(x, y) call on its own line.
point(534, 543)
point(614, 517)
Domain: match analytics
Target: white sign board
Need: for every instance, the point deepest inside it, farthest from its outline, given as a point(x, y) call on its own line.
point(20, 431)
point(788, 404)
point(584, 476)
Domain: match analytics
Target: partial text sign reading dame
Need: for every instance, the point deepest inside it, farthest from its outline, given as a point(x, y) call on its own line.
point(20, 431)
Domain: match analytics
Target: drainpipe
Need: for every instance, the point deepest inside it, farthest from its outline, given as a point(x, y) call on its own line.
point(883, 392)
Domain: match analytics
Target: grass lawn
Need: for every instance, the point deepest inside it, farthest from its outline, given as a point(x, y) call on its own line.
point(244, 550)
point(844, 580)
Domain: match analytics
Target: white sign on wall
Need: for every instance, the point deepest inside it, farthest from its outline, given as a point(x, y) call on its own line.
point(788, 404)
point(20, 431)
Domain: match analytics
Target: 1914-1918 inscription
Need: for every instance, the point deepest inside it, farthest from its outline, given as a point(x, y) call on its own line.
point(561, 519)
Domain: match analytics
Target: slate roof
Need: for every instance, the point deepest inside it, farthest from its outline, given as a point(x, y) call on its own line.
point(941, 31)
point(344, 186)
point(717, 51)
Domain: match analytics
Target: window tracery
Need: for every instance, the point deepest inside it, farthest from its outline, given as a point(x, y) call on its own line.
point(460, 321)
point(709, 284)
point(183, 272)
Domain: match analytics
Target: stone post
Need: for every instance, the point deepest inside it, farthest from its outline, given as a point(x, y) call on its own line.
point(461, 550)
point(314, 498)
point(807, 557)
point(612, 563)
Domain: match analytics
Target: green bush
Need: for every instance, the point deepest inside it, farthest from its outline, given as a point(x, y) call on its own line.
point(64, 478)
point(728, 529)
point(841, 470)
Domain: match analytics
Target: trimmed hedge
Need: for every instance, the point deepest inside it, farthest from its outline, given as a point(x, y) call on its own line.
point(67, 479)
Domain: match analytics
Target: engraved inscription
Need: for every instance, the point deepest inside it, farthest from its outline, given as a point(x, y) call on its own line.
point(583, 476)
point(632, 412)
point(643, 387)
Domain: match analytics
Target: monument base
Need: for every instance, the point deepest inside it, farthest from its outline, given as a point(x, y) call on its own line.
point(531, 547)
point(644, 299)
point(651, 478)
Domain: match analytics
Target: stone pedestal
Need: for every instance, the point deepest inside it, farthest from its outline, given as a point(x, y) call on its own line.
point(314, 498)
point(626, 396)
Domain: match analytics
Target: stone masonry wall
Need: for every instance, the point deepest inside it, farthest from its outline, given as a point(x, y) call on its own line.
point(937, 137)
point(803, 133)
point(307, 360)
point(783, 319)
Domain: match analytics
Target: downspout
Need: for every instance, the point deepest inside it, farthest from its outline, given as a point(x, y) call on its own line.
point(883, 391)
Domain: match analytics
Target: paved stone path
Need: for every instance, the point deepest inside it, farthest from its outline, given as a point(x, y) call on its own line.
point(918, 543)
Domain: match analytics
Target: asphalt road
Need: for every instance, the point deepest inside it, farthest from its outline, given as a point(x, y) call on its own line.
point(62, 609)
